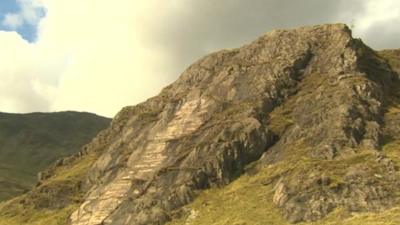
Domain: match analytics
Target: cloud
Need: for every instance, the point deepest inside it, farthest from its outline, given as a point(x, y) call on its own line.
point(18, 72)
point(197, 27)
point(99, 56)
point(107, 67)
point(13, 21)
point(380, 23)
point(30, 13)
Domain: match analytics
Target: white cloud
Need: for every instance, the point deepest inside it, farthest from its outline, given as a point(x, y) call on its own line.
point(101, 55)
point(378, 24)
point(13, 21)
point(377, 12)
point(30, 12)
point(90, 55)
point(18, 70)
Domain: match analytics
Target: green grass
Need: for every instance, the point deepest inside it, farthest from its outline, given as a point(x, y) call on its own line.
point(392, 151)
point(392, 57)
point(31, 142)
point(53, 201)
point(39, 217)
point(245, 201)
point(248, 200)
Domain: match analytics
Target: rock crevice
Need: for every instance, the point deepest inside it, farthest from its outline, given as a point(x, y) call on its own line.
point(312, 91)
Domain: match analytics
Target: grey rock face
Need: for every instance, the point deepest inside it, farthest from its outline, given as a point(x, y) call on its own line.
point(337, 115)
point(202, 130)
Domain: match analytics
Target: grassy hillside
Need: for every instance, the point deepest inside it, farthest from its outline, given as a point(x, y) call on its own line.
point(249, 199)
point(31, 142)
point(53, 201)
point(246, 201)
point(393, 57)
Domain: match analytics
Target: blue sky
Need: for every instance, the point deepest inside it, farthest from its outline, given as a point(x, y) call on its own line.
point(27, 13)
point(101, 55)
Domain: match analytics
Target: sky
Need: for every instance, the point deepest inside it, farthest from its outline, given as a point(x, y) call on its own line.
point(100, 55)
point(21, 16)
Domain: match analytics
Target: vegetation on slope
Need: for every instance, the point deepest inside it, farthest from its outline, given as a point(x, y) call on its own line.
point(392, 56)
point(246, 201)
point(53, 201)
point(249, 199)
point(31, 142)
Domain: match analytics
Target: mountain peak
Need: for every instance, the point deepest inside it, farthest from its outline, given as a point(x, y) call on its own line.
point(332, 45)
point(302, 108)
point(213, 121)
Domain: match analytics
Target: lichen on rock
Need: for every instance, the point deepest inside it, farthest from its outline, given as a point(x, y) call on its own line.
point(203, 129)
point(310, 102)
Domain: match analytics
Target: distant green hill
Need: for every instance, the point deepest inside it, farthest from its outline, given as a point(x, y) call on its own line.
point(299, 127)
point(31, 142)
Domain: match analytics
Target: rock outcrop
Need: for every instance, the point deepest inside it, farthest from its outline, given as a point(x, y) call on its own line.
point(202, 130)
point(312, 98)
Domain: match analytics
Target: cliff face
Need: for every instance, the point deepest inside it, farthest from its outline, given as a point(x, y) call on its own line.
point(308, 103)
point(202, 130)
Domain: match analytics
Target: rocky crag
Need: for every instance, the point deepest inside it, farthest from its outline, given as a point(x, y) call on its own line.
point(307, 108)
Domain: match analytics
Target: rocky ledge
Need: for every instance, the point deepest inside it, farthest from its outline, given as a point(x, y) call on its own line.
point(312, 93)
